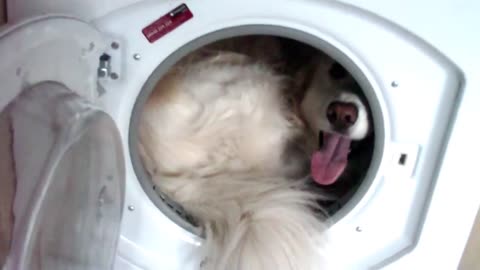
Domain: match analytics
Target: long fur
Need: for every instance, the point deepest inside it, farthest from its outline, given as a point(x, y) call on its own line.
point(215, 136)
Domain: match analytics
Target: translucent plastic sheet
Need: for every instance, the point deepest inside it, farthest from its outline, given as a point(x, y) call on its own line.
point(70, 182)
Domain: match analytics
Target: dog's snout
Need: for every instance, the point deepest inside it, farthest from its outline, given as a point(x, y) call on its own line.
point(342, 115)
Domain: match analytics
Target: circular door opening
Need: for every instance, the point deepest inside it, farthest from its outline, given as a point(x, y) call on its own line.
point(342, 98)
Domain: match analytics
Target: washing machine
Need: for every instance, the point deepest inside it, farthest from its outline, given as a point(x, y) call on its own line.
point(75, 74)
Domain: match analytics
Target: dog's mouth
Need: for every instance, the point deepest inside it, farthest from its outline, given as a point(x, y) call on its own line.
point(330, 160)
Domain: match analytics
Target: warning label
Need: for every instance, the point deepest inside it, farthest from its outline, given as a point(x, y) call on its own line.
point(167, 23)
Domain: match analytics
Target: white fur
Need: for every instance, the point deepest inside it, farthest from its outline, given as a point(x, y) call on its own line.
point(213, 137)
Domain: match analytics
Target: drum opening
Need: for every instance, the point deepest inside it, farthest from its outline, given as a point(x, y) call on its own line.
point(298, 48)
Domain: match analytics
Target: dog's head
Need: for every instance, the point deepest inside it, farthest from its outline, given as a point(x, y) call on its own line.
point(335, 111)
point(333, 102)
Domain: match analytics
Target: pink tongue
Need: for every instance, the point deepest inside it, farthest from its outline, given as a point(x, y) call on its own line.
point(329, 162)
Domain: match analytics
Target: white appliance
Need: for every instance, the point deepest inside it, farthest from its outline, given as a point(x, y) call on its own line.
point(418, 63)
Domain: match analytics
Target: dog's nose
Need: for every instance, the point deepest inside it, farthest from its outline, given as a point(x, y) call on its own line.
point(342, 115)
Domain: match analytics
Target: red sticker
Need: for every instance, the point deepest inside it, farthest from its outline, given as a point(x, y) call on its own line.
point(167, 23)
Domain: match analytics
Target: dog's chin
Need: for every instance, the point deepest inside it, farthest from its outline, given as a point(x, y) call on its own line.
point(351, 134)
point(356, 133)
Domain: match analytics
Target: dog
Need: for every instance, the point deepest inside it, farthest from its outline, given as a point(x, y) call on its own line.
point(219, 136)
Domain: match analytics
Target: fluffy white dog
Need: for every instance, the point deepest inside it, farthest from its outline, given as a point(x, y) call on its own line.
point(218, 137)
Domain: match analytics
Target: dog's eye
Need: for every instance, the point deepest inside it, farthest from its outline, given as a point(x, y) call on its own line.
point(337, 72)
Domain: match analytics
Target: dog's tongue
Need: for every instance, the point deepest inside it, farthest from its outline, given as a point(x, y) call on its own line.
point(329, 162)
